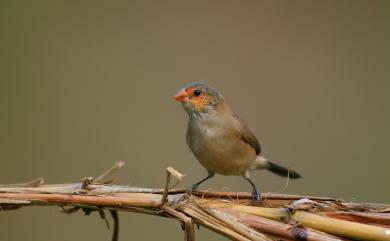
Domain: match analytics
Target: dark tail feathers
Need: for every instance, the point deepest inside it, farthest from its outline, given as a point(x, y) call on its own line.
point(282, 171)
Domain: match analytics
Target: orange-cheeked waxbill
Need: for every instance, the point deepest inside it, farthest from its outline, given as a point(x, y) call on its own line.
point(219, 139)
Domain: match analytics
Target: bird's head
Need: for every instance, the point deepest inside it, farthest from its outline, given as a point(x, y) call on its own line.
point(198, 98)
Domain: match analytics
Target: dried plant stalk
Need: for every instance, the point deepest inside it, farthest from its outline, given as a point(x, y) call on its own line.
point(347, 229)
point(234, 215)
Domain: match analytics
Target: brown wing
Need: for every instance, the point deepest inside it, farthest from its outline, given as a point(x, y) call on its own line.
point(250, 138)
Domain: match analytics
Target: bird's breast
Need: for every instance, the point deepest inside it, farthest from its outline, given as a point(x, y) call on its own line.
point(211, 133)
point(218, 148)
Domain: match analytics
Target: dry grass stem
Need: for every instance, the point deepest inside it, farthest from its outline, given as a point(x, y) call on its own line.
point(232, 214)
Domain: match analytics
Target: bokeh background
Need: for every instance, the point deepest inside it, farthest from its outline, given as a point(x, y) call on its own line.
point(86, 83)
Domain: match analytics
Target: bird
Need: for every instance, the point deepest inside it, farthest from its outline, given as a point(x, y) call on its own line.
point(220, 140)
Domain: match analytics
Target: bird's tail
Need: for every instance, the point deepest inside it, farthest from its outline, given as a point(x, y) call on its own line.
point(263, 163)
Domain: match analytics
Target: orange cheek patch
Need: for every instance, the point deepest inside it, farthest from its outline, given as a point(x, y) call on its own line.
point(201, 102)
point(198, 104)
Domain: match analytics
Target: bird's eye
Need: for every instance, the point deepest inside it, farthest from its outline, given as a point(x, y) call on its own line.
point(197, 92)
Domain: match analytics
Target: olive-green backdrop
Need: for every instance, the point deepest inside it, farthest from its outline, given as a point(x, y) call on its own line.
point(85, 83)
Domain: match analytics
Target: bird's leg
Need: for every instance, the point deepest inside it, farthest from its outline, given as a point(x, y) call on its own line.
point(255, 191)
point(196, 184)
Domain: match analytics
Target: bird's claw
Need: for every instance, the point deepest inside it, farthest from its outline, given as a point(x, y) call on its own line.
point(256, 196)
point(191, 189)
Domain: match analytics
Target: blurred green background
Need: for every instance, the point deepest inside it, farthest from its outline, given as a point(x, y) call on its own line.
point(86, 83)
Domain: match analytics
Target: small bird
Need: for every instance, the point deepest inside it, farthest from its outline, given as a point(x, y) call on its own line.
point(220, 140)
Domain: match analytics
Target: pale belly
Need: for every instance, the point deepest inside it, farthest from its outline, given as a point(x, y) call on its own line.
point(222, 154)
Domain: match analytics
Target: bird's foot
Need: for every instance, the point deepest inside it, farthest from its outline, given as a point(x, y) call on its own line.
point(191, 189)
point(256, 195)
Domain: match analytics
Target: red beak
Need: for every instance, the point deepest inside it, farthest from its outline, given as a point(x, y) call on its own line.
point(181, 96)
